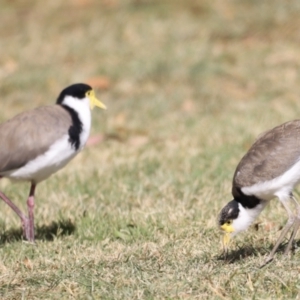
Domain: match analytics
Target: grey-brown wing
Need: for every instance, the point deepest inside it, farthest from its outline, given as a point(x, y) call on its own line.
point(271, 155)
point(30, 134)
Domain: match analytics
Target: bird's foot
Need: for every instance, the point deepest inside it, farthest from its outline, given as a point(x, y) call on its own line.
point(28, 229)
point(267, 261)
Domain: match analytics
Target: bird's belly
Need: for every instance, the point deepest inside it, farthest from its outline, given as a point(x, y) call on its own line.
point(40, 168)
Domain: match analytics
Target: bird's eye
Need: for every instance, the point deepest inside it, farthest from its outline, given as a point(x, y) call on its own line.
point(229, 222)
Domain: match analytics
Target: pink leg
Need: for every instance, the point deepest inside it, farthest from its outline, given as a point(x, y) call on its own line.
point(23, 218)
point(27, 222)
point(30, 207)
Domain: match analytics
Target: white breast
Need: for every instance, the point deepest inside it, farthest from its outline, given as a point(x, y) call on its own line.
point(58, 155)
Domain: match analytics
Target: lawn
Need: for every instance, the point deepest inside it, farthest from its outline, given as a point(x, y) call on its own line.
point(189, 85)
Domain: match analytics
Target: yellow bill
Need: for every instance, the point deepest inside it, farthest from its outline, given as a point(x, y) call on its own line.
point(94, 101)
point(228, 228)
point(225, 241)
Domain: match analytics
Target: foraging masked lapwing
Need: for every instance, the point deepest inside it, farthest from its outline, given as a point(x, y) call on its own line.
point(37, 143)
point(271, 168)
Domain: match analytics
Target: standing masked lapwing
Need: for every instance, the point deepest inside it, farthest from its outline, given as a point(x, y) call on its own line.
point(271, 168)
point(37, 143)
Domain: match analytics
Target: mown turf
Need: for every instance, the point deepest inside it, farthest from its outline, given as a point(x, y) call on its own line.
point(188, 86)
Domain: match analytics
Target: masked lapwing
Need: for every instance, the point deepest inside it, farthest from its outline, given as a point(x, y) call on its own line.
point(37, 143)
point(271, 168)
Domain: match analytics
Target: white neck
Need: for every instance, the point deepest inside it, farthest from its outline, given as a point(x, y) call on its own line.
point(82, 107)
point(247, 216)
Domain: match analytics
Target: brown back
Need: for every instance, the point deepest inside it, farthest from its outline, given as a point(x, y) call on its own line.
point(30, 134)
point(273, 153)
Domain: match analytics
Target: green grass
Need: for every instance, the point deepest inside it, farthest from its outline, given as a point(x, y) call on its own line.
point(192, 83)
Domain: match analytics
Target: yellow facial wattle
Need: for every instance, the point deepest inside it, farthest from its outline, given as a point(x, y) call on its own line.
point(94, 101)
point(227, 227)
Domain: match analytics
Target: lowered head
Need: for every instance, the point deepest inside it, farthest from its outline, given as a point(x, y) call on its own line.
point(234, 218)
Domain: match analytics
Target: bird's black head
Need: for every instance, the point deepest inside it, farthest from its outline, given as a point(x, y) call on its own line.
point(229, 213)
point(77, 90)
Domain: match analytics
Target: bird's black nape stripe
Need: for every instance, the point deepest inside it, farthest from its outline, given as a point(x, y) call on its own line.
point(245, 200)
point(76, 128)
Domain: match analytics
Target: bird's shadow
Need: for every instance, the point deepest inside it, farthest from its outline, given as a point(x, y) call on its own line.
point(49, 232)
point(249, 251)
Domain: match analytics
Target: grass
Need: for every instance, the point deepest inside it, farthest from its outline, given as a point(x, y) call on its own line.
point(190, 84)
